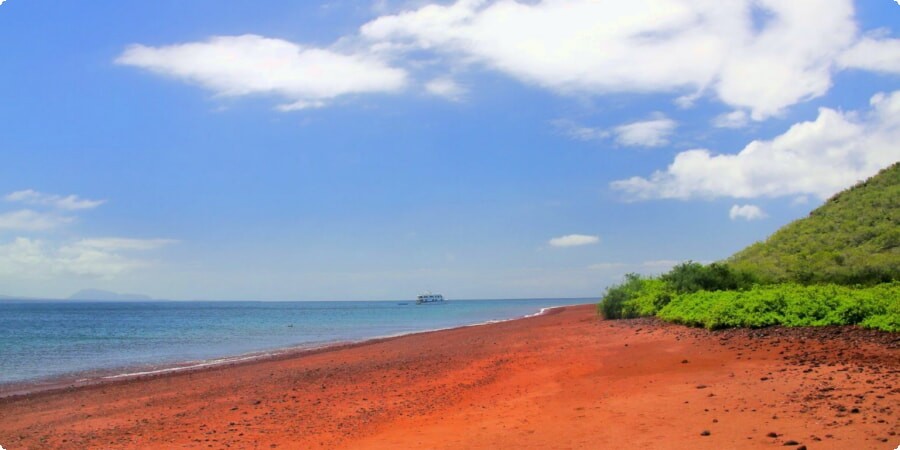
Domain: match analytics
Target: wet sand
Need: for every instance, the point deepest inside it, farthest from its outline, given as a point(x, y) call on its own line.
point(566, 379)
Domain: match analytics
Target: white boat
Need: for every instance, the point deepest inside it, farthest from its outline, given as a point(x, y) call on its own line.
point(429, 298)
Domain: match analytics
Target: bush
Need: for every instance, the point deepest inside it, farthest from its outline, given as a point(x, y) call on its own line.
point(613, 301)
point(691, 276)
point(790, 305)
point(636, 297)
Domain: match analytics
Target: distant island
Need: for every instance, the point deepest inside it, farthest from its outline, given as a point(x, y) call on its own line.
point(97, 294)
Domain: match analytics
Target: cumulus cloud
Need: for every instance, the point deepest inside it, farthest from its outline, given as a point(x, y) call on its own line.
point(68, 203)
point(305, 77)
point(574, 240)
point(29, 220)
point(101, 258)
point(677, 46)
point(818, 157)
point(746, 212)
point(446, 88)
point(648, 133)
point(877, 55)
point(757, 56)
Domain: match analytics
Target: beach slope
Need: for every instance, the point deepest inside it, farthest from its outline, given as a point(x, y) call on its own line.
point(565, 379)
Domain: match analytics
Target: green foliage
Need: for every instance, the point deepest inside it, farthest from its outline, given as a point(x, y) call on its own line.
point(653, 296)
point(789, 304)
point(641, 296)
point(619, 300)
point(854, 238)
point(692, 277)
point(851, 240)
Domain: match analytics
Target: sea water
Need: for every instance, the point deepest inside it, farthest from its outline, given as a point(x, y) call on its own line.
point(46, 340)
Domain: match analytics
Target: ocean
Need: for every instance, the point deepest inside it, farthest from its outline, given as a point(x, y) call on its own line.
point(41, 341)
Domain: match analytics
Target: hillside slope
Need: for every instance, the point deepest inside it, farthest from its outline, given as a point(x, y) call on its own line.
point(853, 238)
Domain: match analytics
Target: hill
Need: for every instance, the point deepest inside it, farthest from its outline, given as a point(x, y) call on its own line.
point(839, 266)
point(854, 238)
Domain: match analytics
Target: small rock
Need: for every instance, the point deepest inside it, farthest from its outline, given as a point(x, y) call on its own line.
point(791, 442)
point(705, 433)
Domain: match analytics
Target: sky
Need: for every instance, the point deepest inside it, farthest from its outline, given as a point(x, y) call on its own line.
point(351, 150)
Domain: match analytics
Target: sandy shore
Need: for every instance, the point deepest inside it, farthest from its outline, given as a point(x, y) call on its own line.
point(562, 380)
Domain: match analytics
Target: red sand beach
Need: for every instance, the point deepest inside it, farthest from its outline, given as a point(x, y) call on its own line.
point(566, 379)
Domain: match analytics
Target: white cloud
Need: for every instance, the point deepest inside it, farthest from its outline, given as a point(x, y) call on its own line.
point(878, 55)
point(102, 258)
point(758, 56)
point(818, 157)
point(573, 240)
point(68, 203)
point(648, 133)
point(746, 212)
point(29, 220)
point(677, 46)
point(579, 132)
point(231, 66)
point(734, 119)
point(446, 88)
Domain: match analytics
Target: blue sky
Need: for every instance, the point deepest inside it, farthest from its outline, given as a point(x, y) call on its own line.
point(377, 149)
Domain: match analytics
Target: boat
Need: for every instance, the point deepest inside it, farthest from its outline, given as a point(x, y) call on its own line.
point(429, 298)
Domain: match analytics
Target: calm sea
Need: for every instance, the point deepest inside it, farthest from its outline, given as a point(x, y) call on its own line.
point(46, 340)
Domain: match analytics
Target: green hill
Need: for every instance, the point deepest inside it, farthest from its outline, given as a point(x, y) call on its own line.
point(839, 266)
point(854, 238)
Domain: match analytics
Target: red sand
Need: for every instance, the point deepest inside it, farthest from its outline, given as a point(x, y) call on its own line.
point(563, 380)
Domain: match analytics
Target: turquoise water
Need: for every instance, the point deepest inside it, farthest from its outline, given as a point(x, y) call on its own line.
point(45, 340)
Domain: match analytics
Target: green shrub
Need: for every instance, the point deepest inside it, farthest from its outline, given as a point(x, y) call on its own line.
point(637, 296)
point(653, 296)
point(613, 301)
point(691, 276)
point(790, 305)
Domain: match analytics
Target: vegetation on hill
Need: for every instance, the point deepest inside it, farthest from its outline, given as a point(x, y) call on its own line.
point(854, 238)
point(839, 266)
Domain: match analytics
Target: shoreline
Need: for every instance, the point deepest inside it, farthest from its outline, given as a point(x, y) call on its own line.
point(99, 377)
point(557, 380)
